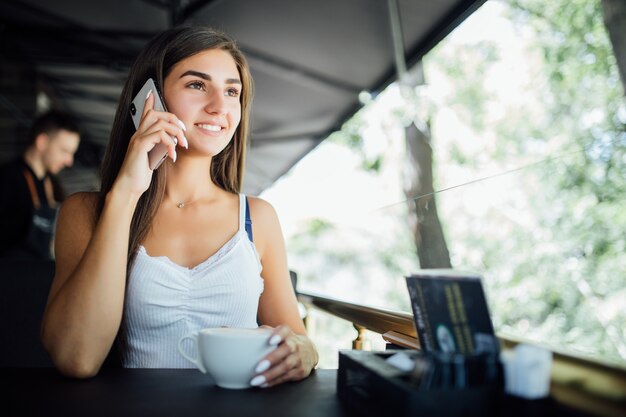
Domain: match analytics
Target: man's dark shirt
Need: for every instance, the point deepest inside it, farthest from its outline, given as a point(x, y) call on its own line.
point(25, 230)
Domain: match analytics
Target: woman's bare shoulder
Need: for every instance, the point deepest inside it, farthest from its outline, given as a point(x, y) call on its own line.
point(86, 197)
point(261, 207)
point(264, 216)
point(265, 224)
point(80, 208)
point(75, 226)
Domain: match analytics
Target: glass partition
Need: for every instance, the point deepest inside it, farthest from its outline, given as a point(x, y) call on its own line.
point(509, 160)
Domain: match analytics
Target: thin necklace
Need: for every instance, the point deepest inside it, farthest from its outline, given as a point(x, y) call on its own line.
point(183, 204)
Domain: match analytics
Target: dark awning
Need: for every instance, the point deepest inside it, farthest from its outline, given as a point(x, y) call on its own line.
point(309, 59)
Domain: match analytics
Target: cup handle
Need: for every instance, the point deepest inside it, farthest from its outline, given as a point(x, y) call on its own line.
point(195, 360)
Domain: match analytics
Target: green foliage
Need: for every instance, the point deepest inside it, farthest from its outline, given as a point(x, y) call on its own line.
point(548, 231)
point(351, 135)
point(317, 227)
point(469, 64)
point(356, 263)
point(553, 276)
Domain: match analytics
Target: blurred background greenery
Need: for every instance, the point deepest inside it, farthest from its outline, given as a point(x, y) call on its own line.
point(520, 141)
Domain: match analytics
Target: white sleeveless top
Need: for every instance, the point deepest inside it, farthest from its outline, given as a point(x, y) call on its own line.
point(165, 301)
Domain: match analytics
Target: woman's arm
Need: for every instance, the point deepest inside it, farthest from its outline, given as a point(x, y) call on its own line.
point(86, 300)
point(296, 356)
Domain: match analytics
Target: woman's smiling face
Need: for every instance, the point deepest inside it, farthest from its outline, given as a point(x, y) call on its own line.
point(204, 91)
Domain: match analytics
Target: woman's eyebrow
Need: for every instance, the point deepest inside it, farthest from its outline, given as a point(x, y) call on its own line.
point(207, 77)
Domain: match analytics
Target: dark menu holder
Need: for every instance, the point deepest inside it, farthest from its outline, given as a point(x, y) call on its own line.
point(457, 372)
point(450, 312)
point(366, 383)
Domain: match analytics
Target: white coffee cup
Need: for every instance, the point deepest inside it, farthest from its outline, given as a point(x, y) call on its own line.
point(228, 354)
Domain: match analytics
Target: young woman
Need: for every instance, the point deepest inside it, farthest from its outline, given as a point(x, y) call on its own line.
point(158, 254)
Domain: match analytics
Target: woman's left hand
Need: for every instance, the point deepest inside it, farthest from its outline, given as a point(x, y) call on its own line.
point(293, 359)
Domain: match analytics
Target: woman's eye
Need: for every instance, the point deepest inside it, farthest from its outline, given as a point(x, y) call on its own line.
point(232, 92)
point(198, 85)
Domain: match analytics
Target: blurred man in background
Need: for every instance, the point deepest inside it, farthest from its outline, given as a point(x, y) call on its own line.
point(29, 193)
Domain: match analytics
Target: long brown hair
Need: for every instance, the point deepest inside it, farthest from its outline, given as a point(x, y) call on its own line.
point(156, 61)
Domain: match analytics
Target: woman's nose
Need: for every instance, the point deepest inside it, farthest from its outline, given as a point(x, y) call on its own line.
point(216, 103)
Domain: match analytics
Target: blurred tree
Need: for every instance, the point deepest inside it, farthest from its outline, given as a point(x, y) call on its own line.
point(615, 21)
point(417, 173)
point(430, 241)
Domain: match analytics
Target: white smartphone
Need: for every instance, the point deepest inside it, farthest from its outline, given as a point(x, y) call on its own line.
point(157, 155)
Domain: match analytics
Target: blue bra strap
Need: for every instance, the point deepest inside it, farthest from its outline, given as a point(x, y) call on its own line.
point(248, 221)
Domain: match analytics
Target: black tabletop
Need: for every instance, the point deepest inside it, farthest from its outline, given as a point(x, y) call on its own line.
point(161, 392)
point(187, 392)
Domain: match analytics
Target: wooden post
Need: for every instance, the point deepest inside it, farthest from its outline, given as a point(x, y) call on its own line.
point(361, 342)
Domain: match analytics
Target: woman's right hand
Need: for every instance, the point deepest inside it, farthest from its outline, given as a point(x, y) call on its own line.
point(155, 127)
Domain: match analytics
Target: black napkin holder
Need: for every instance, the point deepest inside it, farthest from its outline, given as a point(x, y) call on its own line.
point(368, 384)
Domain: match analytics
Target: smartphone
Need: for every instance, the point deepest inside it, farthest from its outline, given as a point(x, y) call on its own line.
point(157, 155)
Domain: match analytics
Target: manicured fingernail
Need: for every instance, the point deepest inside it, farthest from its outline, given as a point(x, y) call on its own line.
point(186, 142)
point(263, 366)
point(149, 94)
point(257, 380)
point(174, 156)
point(274, 340)
point(181, 124)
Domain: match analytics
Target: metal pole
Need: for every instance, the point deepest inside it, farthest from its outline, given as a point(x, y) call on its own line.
point(398, 41)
